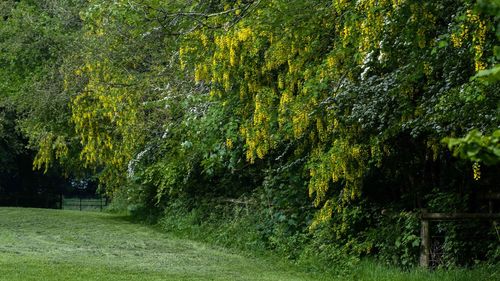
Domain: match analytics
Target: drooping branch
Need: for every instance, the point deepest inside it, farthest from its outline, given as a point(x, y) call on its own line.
point(169, 20)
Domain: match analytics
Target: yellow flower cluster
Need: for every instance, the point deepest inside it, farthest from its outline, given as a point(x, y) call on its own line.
point(476, 169)
point(476, 27)
point(229, 143)
point(103, 116)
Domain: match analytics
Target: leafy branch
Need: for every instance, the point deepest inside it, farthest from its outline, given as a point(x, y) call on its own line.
point(476, 147)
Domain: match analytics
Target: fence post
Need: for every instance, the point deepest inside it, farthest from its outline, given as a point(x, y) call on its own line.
point(425, 241)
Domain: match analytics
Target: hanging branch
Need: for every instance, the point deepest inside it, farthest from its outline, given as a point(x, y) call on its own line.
point(198, 19)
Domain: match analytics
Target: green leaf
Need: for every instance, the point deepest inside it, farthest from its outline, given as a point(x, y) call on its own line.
point(489, 75)
point(415, 243)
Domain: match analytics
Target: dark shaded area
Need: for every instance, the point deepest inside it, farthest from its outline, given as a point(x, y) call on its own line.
point(19, 185)
point(23, 187)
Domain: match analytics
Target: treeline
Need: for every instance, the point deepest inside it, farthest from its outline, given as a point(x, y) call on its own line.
point(317, 129)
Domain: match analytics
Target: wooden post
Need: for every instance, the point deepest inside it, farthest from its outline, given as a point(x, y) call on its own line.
point(425, 241)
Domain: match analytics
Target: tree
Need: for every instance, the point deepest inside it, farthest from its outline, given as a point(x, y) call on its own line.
point(35, 36)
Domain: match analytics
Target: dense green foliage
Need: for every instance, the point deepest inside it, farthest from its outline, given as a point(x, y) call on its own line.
point(331, 122)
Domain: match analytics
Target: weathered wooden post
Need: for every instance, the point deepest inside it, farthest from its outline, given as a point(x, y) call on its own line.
point(425, 240)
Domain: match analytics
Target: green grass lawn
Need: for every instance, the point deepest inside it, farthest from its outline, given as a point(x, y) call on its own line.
point(39, 244)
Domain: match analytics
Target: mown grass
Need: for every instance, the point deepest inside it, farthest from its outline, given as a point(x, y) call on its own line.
point(38, 244)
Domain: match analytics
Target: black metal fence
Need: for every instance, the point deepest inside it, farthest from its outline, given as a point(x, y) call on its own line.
point(84, 203)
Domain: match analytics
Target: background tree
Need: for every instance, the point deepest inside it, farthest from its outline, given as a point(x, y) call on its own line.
point(35, 38)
